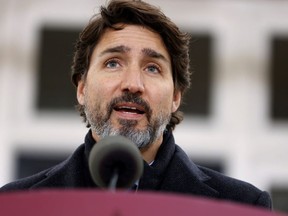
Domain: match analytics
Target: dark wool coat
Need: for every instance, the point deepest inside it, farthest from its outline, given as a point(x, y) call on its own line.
point(172, 171)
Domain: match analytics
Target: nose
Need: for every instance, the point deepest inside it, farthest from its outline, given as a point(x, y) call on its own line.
point(132, 81)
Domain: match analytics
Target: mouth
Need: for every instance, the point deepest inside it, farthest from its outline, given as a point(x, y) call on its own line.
point(130, 108)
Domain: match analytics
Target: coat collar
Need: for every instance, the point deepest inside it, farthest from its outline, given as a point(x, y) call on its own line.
point(173, 171)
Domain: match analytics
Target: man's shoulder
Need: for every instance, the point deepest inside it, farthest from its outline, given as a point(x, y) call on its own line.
point(60, 175)
point(224, 186)
point(222, 181)
point(235, 189)
point(25, 183)
point(209, 176)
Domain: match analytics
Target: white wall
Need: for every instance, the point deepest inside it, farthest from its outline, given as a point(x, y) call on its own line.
point(239, 131)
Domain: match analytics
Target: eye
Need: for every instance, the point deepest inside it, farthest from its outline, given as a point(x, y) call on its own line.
point(153, 68)
point(112, 63)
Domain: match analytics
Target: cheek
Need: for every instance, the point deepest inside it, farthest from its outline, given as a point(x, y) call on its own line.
point(163, 99)
point(104, 83)
point(100, 92)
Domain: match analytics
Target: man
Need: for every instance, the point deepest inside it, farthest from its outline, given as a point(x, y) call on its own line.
point(131, 71)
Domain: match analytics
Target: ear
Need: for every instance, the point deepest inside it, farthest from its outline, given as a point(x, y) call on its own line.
point(176, 101)
point(81, 91)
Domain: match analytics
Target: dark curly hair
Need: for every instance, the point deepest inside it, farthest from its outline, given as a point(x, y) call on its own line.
point(135, 12)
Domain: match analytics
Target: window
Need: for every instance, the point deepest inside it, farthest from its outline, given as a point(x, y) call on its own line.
point(279, 78)
point(279, 196)
point(55, 89)
point(197, 98)
point(30, 163)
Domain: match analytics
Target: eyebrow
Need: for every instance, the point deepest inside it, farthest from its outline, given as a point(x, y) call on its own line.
point(153, 54)
point(117, 49)
point(124, 49)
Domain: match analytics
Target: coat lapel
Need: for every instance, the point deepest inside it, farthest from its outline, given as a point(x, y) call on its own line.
point(183, 176)
point(173, 171)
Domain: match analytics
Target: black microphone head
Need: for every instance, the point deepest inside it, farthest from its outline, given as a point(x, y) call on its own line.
point(115, 153)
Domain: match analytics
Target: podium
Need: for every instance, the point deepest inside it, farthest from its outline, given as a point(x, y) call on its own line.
point(119, 203)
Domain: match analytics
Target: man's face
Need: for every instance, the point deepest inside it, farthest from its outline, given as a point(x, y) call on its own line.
point(129, 88)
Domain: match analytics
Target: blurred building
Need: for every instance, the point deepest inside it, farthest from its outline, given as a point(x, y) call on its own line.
point(236, 113)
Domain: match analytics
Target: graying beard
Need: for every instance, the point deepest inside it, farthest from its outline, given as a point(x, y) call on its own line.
point(142, 139)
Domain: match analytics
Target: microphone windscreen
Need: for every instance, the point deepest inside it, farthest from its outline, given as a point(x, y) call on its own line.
point(115, 153)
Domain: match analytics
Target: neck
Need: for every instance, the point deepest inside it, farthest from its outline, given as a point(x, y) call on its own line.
point(149, 154)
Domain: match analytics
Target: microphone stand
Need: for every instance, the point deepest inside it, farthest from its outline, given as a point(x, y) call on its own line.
point(113, 181)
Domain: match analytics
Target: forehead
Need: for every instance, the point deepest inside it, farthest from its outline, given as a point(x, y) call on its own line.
point(133, 36)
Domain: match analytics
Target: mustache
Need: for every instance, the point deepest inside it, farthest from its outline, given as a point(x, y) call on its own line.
point(132, 98)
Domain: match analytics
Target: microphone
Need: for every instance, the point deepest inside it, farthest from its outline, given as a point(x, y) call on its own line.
point(115, 162)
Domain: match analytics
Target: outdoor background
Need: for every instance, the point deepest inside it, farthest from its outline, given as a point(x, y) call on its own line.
point(236, 113)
